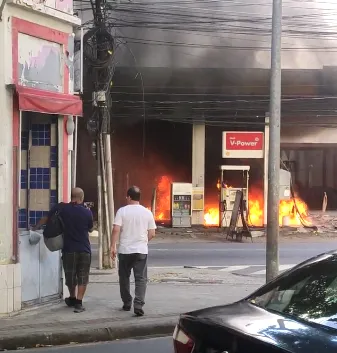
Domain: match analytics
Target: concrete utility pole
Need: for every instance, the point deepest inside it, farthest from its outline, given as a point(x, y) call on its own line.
point(100, 216)
point(103, 141)
point(272, 251)
point(109, 176)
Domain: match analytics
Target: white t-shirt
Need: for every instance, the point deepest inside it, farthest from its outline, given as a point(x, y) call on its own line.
point(135, 221)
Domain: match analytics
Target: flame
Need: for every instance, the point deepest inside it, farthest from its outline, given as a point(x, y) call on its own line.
point(255, 217)
point(163, 200)
point(211, 216)
point(160, 216)
point(255, 206)
point(295, 209)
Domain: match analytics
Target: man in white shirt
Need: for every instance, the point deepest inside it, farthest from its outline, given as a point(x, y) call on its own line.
point(135, 226)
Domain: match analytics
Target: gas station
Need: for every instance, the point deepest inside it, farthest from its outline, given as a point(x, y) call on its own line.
point(187, 199)
point(235, 145)
point(183, 138)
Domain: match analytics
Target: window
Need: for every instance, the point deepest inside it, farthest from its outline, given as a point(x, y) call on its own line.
point(309, 293)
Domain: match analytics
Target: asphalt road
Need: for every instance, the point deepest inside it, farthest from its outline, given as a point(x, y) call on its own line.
point(162, 345)
point(228, 254)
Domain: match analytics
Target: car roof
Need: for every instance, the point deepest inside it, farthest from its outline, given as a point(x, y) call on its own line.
point(314, 261)
point(318, 258)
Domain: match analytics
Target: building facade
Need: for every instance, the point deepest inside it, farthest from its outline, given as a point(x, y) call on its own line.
point(36, 139)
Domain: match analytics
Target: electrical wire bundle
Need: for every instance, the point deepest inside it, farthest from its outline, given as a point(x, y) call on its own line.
point(99, 58)
point(100, 47)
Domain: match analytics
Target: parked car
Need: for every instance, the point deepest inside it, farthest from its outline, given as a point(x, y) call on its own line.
point(296, 312)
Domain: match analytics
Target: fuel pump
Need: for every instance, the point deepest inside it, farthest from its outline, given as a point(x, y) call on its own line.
point(239, 173)
point(181, 205)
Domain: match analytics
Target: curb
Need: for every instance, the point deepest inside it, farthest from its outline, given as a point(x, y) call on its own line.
point(114, 331)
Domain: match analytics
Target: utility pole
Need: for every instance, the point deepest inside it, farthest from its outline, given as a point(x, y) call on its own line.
point(109, 177)
point(100, 216)
point(272, 250)
point(102, 92)
point(107, 145)
point(98, 53)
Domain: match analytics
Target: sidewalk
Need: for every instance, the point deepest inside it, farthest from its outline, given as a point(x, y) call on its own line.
point(169, 294)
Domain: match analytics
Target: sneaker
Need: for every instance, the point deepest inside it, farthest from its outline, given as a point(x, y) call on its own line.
point(139, 312)
point(79, 308)
point(126, 307)
point(70, 302)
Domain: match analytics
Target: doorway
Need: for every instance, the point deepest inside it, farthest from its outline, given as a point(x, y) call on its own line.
point(40, 269)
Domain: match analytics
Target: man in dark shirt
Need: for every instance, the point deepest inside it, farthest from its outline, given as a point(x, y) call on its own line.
point(76, 252)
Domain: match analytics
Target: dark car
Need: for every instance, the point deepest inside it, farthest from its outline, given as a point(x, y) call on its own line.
point(296, 312)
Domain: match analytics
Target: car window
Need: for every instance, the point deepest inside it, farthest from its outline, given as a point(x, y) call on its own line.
point(309, 293)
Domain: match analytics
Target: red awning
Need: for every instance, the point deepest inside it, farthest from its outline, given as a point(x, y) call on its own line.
point(40, 101)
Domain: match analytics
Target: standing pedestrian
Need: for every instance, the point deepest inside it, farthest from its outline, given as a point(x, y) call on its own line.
point(76, 253)
point(134, 226)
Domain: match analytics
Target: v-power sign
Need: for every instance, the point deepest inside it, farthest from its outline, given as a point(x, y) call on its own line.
point(239, 144)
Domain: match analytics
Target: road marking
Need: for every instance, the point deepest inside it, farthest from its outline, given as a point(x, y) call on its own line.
point(203, 250)
point(156, 268)
point(205, 267)
point(165, 267)
point(281, 268)
point(234, 268)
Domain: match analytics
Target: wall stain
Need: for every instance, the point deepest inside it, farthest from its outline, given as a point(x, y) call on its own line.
point(40, 64)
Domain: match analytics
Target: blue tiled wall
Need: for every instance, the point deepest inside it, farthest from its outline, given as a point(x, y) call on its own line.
point(53, 198)
point(35, 216)
point(23, 218)
point(41, 135)
point(53, 157)
point(39, 178)
point(42, 175)
point(24, 179)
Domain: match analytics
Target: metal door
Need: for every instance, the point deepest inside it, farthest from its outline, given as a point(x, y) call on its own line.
point(41, 271)
point(30, 277)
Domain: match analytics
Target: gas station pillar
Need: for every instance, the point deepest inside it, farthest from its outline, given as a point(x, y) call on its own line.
point(265, 174)
point(198, 168)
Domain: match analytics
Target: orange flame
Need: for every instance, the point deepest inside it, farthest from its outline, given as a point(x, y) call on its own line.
point(211, 216)
point(163, 200)
point(296, 210)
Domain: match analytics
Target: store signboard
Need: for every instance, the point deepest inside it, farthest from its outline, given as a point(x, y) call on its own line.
point(242, 144)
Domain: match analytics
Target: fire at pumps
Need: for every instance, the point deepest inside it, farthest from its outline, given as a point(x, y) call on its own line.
point(292, 211)
point(227, 194)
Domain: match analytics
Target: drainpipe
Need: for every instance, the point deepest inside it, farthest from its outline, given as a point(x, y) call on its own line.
point(74, 156)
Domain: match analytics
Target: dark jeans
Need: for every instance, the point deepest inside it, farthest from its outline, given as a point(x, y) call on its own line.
point(137, 263)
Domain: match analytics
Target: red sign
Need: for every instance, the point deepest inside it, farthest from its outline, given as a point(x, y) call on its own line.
point(244, 141)
point(243, 144)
